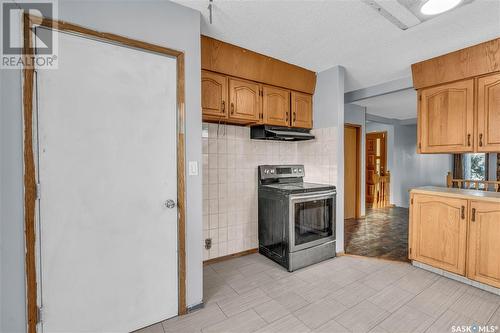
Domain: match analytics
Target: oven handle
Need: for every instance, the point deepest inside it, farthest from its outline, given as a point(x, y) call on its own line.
point(315, 196)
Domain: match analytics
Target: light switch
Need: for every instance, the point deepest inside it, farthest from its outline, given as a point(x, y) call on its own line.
point(193, 168)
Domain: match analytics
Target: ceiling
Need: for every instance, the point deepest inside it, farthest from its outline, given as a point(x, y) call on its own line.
point(319, 34)
point(399, 105)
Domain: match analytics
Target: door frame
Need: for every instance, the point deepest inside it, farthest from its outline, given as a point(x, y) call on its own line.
point(30, 191)
point(366, 158)
point(357, 127)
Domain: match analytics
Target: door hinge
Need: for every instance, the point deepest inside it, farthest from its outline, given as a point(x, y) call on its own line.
point(410, 250)
point(420, 97)
point(412, 201)
point(39, 314)
point(419, 145)
point(38, 191)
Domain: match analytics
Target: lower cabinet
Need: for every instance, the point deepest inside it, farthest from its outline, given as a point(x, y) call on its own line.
point(458, 235)
point(484, 243)
point(439, 232)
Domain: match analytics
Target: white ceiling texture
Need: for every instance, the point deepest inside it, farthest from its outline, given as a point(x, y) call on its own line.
point(399, 105)
point(319, 34)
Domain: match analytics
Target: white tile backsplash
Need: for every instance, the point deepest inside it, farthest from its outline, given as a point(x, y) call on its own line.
point(230, 161)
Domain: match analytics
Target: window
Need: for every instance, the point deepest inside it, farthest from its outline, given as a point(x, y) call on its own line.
point(475, 166)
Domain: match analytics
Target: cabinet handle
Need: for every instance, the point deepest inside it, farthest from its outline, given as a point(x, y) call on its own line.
point(463, 212)
point(473, 215)
point(232, 108)
point(286, 117)
point(223, 107)
point(468, 140)
point(294, 116)
point(481, 140)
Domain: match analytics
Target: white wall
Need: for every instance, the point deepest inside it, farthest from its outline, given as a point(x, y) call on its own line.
point(328, 106)
point(159, 22)
point(409, 169)
point(356, 115)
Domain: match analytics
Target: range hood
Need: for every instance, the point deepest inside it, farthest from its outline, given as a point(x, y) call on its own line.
point(266, 132)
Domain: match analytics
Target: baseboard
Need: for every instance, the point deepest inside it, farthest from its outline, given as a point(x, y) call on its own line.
point(230, 256)
point(457, 277)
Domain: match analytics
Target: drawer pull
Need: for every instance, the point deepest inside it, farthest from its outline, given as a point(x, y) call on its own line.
point(223, 107)
point(481, 140)
point(232, 108)
point(468, 140)
point(463, 212)
point(473, 215)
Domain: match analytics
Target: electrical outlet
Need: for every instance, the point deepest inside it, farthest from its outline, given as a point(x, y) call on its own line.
point(208, 243)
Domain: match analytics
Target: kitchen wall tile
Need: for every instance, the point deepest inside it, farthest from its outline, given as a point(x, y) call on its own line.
point(230, 161)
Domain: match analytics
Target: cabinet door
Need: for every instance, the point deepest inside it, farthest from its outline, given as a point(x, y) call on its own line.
point(301, 110)
point(446, 118)
point(245, 100)
point(488, 114)
point(484, 243)
point(439, 230)
point(213, 95)
point(276, 106)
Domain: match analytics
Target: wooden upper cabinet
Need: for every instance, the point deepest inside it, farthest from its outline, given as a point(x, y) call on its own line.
point(276, 106)
point(245, 100)
point(446, 118)
point(301, 110)
point(488, 114)
point(484, 243)
point(439, 232)
point(214, 95)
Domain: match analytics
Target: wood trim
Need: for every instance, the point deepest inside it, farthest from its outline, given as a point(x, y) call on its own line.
point(358, 167)
point(232, 60)
point(29, 162)
point(230, 256)
point(29, 181)
point(469, 62)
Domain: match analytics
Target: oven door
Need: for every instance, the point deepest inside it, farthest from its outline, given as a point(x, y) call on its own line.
point(312, 219)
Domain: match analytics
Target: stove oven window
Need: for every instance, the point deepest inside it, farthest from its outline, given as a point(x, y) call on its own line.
point(313, 220)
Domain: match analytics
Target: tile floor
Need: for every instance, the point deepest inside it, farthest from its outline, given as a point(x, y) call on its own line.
point(344, 294)
point(382, 233)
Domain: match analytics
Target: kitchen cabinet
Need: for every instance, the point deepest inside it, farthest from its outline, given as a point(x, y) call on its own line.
point(488, 113)
point(301, 110)
point(214, 91)
point(245, 99)
point(446, 118)
point(457, 230)
point(276, 106)
point(484, 243)
point(439, 232)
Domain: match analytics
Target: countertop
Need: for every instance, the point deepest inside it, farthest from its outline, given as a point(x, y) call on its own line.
point(458, 193)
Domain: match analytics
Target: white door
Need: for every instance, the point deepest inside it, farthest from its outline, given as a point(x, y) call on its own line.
point(106, 167)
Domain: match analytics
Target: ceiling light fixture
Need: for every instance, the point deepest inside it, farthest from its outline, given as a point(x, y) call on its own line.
point(434, 7)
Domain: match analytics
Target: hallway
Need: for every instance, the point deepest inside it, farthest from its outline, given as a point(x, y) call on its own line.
point(383, 234)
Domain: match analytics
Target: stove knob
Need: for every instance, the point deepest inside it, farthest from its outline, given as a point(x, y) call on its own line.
point(272, 171)
point(295, 170)
point(266, 171)
point(300, 170)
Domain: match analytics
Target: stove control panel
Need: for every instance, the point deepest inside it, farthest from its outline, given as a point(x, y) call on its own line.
point(281, 171)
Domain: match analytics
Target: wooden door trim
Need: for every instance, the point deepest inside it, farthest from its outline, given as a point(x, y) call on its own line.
point(358, 167)
point(29, 161)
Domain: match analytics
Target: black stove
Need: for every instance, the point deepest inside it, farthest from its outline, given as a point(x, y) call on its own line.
point(296, 218)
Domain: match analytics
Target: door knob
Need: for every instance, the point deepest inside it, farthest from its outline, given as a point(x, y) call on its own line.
point(170, 203)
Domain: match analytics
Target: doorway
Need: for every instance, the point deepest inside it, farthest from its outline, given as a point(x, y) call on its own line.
point(105, 229)
point(376, 163)
point(352, 171)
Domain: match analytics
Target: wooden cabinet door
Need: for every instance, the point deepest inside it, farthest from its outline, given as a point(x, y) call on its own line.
point(245, 100)
point(484, 243)
point(213, 95)
point(488, 114)
point(276, 106)
point(301, 110)
point(439, 232)
point(446, 118)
